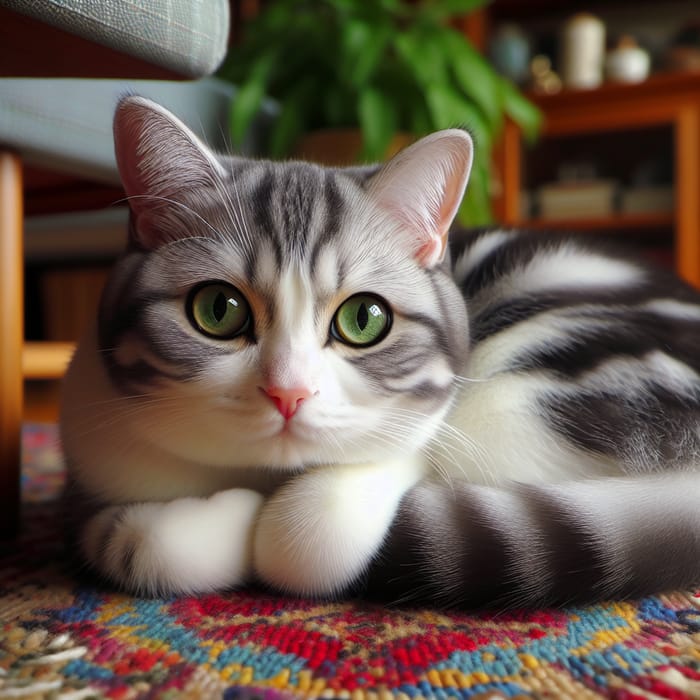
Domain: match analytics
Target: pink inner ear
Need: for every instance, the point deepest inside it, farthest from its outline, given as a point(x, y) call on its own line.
point(432, 251)
point(128, 128)
point(422, 188)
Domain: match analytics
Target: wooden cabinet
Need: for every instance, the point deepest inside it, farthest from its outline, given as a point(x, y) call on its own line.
point(663, 112)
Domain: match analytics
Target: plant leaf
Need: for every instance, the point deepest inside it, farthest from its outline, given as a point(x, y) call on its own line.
point(396, 6)
point(378, 122)
point(424, 58)
point(365, 46)
point(475, 209)
point(420, 123)
point(338, 107)
point(248, 99)
point(523, 112)
point(475, 76)
point(290, 123)
point(450, 8)
point(449, 109)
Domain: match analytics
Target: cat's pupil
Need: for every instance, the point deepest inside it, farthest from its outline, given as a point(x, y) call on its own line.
point(220, 304)
point(362, 317)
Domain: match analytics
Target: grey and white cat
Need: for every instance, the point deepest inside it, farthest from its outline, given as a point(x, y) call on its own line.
point(294, 378)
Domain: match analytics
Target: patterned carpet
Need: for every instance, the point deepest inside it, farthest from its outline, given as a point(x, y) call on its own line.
point(61, 639)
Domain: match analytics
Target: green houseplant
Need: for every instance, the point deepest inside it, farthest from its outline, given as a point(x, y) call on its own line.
point(383, 66)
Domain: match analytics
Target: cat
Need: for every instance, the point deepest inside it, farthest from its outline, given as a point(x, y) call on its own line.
point(302, 376)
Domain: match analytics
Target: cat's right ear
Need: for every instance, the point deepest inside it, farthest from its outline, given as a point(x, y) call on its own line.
point(421, 189)
point(158, 159)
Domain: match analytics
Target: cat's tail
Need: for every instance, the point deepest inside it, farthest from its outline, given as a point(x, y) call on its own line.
point(466, 545)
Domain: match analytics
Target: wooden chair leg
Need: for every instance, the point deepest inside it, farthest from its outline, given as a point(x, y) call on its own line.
point(11, 339)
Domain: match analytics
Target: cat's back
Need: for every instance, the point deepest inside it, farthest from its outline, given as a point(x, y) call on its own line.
point(572, 287)
point(575, 345)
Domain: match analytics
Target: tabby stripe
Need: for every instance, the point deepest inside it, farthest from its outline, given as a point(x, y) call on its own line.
point(261, 201)
point(334, 211)
point(142, 373)
point(512, 254)
point(455, 343)
point(459, 544)
point(575, 563)
point(184, 354)
point(622, 333)
point(481, 243)
point(504, 313)
point(539, 264)
point(127, 314)
point(611, 423)
point(438, 332)
point(388, 365)
point(428, 390)
point(296, 203)
point(395, 361)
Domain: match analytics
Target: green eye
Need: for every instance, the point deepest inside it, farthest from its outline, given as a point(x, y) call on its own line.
point(219, 310)
point(361, 320)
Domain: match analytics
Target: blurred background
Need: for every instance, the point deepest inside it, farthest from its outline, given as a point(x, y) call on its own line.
point(586, 117)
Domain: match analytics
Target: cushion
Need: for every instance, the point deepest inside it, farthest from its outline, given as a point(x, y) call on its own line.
point(187, 36)
point(66, 124)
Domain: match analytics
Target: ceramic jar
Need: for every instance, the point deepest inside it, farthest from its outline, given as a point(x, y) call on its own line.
point(627, 62)
point(583, 51)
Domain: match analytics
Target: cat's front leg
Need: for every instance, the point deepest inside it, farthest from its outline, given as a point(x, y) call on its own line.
point(320, 531)
point(184, 546)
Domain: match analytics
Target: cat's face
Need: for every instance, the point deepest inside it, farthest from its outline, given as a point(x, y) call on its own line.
point(276, 314)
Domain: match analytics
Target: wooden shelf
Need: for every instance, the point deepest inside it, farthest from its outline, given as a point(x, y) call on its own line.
point(663, 221)
point(666, 101)
point(517, 10)
point(656, 85)
point(46, 360)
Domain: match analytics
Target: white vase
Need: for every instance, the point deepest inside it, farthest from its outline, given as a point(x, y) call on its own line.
point(628, 63)
point(583, 51)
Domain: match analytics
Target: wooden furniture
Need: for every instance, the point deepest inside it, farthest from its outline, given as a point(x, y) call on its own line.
point(11, 337)
point(663, 101)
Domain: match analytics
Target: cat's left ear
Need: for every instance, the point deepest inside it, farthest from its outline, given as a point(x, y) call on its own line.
point(158, 158)
point(422, 188)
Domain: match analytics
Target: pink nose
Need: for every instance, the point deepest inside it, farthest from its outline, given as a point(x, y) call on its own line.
point(287, 400)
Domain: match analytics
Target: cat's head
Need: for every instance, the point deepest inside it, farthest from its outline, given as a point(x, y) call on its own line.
point(283, 314)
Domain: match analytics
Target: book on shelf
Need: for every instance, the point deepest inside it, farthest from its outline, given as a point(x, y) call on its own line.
point(571, 200)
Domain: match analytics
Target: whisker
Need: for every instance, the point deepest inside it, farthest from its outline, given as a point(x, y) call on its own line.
point(460, 380)
point(236, 213)
point(449, 443)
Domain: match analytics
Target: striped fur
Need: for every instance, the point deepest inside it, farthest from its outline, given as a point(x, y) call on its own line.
point(526, 432)
point(579, 419)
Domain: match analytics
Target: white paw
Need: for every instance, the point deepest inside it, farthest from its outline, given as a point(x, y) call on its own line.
point(319, 533)
point(189, 545)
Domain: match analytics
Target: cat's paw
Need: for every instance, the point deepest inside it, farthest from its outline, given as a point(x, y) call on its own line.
point(189, 545)
point(320, 532)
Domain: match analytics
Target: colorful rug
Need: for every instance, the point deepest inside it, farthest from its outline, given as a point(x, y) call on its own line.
point(63, 639)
